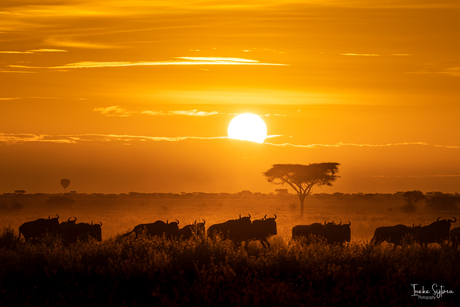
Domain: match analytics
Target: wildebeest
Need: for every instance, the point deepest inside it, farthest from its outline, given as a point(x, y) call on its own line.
point(333, 233)
point(393, 234)
point(38, 228)
point(158, 228)
point(234, 230)
point(72, 232)
point(436, 232)
point(195, 229)
point(455, 237)
point(262, 229)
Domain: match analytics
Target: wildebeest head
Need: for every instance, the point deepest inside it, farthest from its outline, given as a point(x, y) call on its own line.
point(54, 222)
point(245, 219)
point(173, 224)
point(200, 228)
point(96, 231)
point(267, 225)
point(69, 221)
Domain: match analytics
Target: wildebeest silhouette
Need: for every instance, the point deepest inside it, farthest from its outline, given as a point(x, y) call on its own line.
point(331, 232)
point(192, 230)
point(393, 234)
point(38, 228)
point(436, 232)
point(71, 232)
point(234, 230)
point(261, 230)
point(158, 228)
point(455, 237)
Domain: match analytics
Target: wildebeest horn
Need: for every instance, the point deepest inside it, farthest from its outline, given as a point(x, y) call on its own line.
point(274, 215)
point(100, 223)
point(240, 215)
point(438, 219)
point(194, 223)
point(452, 221)
point(265, 217)
point(68, 220)
point(340, 223)
point(177, 221)
point(349, 223)
point(49, 216)
point(204, 222)
point(249, 215)
point(166, 221)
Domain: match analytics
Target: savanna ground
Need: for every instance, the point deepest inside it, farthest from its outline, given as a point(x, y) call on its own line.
point(128, 272)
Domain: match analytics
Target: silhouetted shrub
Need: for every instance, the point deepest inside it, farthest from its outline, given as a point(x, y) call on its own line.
point(7, 239)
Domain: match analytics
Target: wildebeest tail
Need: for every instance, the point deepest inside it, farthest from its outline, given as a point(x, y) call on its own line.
point(127, 234)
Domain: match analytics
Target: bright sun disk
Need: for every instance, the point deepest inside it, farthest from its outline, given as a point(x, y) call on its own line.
point(247, 127)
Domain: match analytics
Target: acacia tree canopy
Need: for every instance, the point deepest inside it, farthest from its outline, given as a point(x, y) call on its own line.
point(302, 178)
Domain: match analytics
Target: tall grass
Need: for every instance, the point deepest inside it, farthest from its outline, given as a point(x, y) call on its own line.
point(209, 272)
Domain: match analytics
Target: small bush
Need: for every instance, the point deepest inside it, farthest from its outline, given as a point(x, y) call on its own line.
point(8, 240)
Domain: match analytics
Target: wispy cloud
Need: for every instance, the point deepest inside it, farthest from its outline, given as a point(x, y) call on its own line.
point(113, 111)
point(48, 50)
point(119, 111)
point(15, 138)
point(194, 112)
point(16, 52)
point(410, 176)
point(32, 51)
point(361, 54)
point(20, 138)
point(450, 71)
point(72, 43)
point(340, 144)
point(177, 61)
point(376, 54)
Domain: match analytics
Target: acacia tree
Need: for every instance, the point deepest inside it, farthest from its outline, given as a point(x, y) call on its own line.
point(302, 178)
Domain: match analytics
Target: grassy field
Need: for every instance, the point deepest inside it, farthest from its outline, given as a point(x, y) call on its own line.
point(127, 272)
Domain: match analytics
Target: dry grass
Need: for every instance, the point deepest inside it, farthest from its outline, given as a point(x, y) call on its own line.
point(204, 272)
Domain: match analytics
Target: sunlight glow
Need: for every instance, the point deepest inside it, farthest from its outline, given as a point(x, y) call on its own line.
point(247, 127)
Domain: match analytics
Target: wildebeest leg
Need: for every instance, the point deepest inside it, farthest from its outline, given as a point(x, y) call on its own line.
point(263, 241)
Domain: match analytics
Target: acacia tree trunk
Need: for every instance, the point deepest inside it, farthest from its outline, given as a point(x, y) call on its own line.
point(302, 199)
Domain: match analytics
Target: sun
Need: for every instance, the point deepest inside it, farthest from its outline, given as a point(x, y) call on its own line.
point(247, 127)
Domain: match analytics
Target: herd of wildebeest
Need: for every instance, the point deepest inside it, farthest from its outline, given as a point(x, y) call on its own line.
point(243, 230)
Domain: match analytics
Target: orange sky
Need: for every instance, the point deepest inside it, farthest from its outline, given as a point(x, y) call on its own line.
point(123, 96)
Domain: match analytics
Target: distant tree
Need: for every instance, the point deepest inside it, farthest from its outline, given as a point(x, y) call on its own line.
point(20, 191)
point(281, 192)
point(412, 197)
point(443, 203)
point(302, 178)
